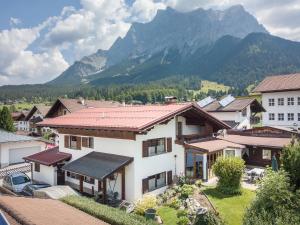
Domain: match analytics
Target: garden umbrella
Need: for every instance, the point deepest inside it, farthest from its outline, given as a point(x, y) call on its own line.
point(274, 163)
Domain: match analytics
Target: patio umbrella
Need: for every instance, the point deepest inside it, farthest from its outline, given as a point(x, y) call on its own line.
point(274, 163)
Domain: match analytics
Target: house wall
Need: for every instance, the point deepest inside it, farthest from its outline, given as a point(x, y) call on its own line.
point(47, 174)
point(5, 148)
point(280, 109)
point(141, 167)
point(23, 125)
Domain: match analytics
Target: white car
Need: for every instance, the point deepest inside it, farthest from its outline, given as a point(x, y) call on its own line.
point(16, 181)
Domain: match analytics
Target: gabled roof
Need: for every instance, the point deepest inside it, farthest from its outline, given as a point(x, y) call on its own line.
point(41, 108)
point(279, 83)
point(129, 118)
point(18, 116)
point(49, 157)
point(74, 105)
point(11, 137)
point(237, 105)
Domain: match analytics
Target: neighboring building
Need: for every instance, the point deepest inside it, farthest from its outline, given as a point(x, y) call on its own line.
point(19, 120)
point(238, 113)
point(13, 147)
point(34, 116)
point(281, 99)
point(63, 106)
point(131, 150)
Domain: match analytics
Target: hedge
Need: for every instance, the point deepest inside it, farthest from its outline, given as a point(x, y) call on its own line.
point(108, 214)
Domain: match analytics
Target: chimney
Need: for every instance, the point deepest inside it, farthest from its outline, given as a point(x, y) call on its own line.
point(170, 100)
point(81, 100)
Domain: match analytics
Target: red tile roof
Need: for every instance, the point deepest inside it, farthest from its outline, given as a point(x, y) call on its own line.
point(49, 157)
point(133, 118)
point(279, 83)
point(272, 142)
point(213, 145)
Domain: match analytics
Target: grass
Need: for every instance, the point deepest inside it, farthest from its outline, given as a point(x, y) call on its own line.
point(231, 208)
point(209, 85)
point(168, 215)
point(20, 106)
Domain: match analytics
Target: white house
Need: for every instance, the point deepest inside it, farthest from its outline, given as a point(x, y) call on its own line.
point(281, 99)
point(35, 115)
point(238, 113)
point(13, 147)
point(128, 151)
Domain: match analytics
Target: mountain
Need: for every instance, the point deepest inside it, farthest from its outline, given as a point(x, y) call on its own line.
point(230, 60)
point(171, 35)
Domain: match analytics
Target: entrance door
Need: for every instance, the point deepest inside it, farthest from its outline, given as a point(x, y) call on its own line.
point(198, 166)
point(60, 176)
point(194, 165)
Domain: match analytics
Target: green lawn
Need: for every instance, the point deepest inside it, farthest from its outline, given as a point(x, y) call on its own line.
point(168, 215)
point(231, 208)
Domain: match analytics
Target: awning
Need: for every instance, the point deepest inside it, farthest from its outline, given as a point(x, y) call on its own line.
point(98, 165)
point(49, 157)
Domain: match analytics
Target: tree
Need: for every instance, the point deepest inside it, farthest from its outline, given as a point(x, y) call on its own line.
point(275, 203)
point(291, 163)
point(229, 170)
point(6, 121)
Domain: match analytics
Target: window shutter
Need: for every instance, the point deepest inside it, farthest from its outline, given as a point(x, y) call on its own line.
point(84, 142)
point(170, 177)
point(78, 143)
point(169, 144)
point(145, 185)
point(67, 141)
point(145, 148)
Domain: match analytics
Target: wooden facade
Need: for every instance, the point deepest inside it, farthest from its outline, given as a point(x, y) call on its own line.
point(255, 157)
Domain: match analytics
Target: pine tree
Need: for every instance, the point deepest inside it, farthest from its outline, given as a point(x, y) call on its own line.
point(6, 121)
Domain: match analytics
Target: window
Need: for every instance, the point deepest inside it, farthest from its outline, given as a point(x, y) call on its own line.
point(266, 154)
point(154, 182)
point(290, 116)
point(65, 112)
point(37, 167)
point(179, 129)
point(280, 101)
point(271, 116)
point(89, 180)
point(298, 100)
point(156, 146)
point(281, 116)
point(298, 116)
point(73, 142)
point(271, 101)
point(290, 101)
point(230, 153)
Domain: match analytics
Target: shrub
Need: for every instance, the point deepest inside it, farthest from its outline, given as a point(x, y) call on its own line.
point(147, 202)
point(229, 171)
point(291, 163)
point(275, 203)
point(186, 191)
point(209, 218)
point(175, 203)
point(181, 213)
point(183, 220)
point(108, 214)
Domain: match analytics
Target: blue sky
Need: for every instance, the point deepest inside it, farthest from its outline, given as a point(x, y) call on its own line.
point(39, 39)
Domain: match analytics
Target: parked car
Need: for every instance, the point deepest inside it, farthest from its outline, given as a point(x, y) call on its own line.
point(16, 181)
point(29, 189)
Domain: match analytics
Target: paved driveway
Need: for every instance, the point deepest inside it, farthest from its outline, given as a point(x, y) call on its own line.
point(45, 212)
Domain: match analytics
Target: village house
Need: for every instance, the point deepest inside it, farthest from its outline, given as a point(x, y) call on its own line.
point(128, 151)
point(238, 113)
point(19, 120)
point(35, 115)
point(281, 99)
point(13, 148)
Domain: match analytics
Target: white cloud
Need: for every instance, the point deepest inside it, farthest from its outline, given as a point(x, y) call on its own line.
point(14, 21)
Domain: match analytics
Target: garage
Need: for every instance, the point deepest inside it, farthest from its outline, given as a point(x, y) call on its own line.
point(16, 155)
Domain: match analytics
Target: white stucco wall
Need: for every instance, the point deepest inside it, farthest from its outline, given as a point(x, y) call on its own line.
point(47, 174)
point(280, 109)
point(5, 147)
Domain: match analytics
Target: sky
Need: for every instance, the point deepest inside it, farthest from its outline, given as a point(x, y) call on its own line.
point(39, 39)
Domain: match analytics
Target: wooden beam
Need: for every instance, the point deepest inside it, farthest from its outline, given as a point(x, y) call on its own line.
point(129, 135)
point(104, 190)
point(81, 184)
point(123, 183)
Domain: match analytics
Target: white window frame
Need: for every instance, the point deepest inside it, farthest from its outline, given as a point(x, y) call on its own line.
point(280, 101)
point(290, 101)
point(228, 153)
point(280, 116)
point(290, 117)
point(271, 102)
point(271, 116)
point(266, 154)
